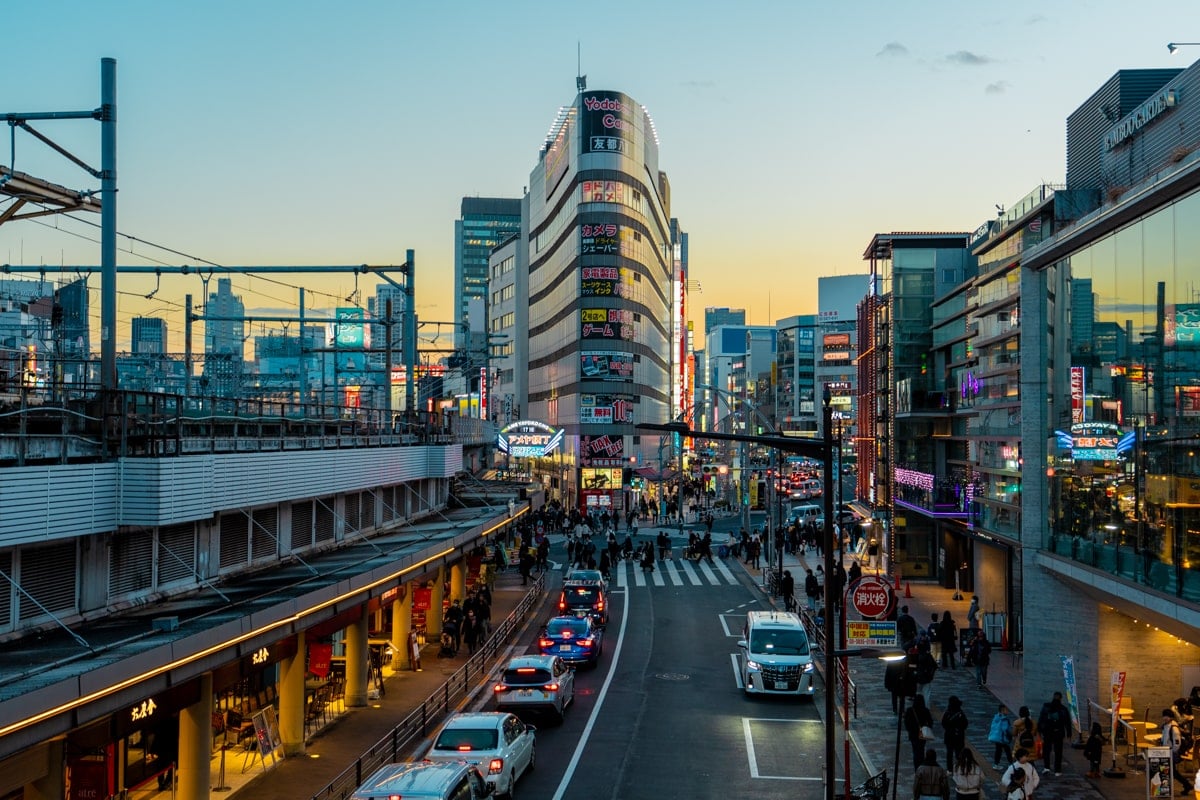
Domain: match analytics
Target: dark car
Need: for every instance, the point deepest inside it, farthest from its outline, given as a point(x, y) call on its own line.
point(576, 640)
point(584, 599)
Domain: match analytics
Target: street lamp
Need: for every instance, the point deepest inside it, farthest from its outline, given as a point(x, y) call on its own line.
point(1173, 46)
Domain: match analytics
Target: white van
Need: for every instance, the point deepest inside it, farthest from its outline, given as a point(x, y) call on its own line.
point(803, 514)
point(776, 657)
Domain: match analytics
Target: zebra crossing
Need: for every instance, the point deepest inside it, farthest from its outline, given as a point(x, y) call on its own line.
point(674, 571)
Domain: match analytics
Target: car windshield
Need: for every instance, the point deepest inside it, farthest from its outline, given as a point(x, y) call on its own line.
point(531, 676)
point(576, 627)
point(779, 642)
point(466, 739)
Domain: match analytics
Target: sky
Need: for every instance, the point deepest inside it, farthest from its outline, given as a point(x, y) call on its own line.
point(304, 133)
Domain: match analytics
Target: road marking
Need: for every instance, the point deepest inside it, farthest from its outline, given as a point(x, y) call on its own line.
point(639, 576)
point(657, 577)
point(669, 565)
point(708, 573)
point(754, 773)
point(725, 623)
point(724, 570)
point(737, 670)
point(691, 573)
point(622, 580)
point(591, 723)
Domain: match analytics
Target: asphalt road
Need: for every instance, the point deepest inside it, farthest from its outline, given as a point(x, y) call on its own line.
point(663, 714)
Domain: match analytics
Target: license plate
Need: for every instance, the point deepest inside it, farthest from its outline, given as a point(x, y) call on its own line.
point(566, 648)
point(525, 692)
point(781, 684)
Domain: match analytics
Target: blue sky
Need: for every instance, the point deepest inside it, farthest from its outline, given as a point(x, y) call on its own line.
point(308, 133)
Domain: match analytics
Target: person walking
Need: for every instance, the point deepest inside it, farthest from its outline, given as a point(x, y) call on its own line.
point(948, 636)
point(605, 564)
point(812, 589)
point(897, 679)
point(967, 777)
point(935, 642)
point(973, 613)
point(954, 730)
point(918, 723)
point(980, 653)
point(788, 587)
point(1093, 749)
point(930, 782)
point(471, 631)
point(1172, 737)
point(1023, 764)
point(926, 669)
point(1000, 734)
point(1053, 723)
point(906, 629)
point(1025, 733)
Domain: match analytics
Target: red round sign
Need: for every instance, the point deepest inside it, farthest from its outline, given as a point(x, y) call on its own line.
point(872, 597)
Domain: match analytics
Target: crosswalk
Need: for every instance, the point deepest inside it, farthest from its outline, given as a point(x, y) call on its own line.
point(675, 572)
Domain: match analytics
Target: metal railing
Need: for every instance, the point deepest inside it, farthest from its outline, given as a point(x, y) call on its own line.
point(843, 684)
point(433, 709)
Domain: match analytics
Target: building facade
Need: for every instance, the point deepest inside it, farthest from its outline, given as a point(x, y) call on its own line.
point(483, 223)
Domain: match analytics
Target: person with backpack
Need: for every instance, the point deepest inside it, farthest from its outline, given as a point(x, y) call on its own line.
point(1053, 722)
point(930, 782)
point(948, 636)
point(1172, 737)
point(1028, 780)
point(980, 654)
point(1025, 734)
point(954, 730)
point(926, 669)
point(918, 723)
point(1000, 734)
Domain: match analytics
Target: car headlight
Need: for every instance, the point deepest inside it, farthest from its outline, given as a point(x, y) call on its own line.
point(809, 667)
point(753, 664)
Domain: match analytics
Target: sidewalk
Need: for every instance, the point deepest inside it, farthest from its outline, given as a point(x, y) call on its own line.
point(874, 732)
point(350, 734)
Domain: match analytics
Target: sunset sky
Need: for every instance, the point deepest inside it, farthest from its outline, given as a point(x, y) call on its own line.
point(270, 132)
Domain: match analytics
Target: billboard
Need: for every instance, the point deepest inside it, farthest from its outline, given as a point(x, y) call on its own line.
point(1095, 441)
point(608, 122)
point(602, 238)
point(529, 438)
point(1187, 401)
point(347, 330)
point(601, 451)
point(1181, 324)
point(1077, 395)
point(605, 409)
point(606, 366)
point(603, 282)
point(606, 323)
point(603, 192)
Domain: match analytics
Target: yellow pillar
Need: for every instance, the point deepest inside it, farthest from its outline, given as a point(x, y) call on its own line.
point(433, 617)
point(401, 626)
point(291, 699)
point(195, 745)
point(357, 661)
point(458, 580)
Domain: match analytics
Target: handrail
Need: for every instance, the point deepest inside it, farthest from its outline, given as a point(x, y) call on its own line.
point(435, 707)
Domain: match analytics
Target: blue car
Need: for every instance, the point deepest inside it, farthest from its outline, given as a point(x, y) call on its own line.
point(576, 640)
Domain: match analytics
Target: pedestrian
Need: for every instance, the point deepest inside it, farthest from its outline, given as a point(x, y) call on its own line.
point(1053, 723)
point(525, 565)
point(1024, 765)
point(967, 777)
point(1025, 734)
point(605, 565)
point(948, 635)
point(935, 642)
point(1015, 788)
point(1093, 750)
point(873, 553)
point(897, 676)
point(980, 653)
point(930, 782)
point(926, 669)
point(1000, 734)
point(855, 572)
point(648, 558)
point(755, 551)
point(906, 629)
point(812, 589)
point(954, 730)
point(454, 622)
point(918, 723)
point(471, 631)
point(1172, 737)
point(973, 613)
point(788, 587)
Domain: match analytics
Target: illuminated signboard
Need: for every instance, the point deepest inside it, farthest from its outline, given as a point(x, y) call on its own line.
point(1187, 401)
point(608, 122)
point(603, 238)
point(836, 340)
point(1181, 324)
point(1077, 395)
point(1095, 441)
point(529, 438)
point(603, 192)
point(603, 282)
point(606, 366)
point(605, 409)
point(604, 478)
point(606, 323)
point(601, 451)
point(348, 330)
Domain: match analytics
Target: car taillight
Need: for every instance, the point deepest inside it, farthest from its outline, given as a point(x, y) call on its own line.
point(562, 606)
point(394, 797)
point(500, 687)
point(551, 687)
point(495, 766)
point(545, 643)
point(585, 642)
point(599, 605)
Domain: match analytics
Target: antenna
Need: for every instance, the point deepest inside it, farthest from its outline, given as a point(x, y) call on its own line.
point(580, 79)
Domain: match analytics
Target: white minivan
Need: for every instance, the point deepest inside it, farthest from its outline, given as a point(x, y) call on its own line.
point(776, 657)
point(805, 513)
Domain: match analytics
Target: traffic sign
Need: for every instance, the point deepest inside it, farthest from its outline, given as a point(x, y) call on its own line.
point(872, 597)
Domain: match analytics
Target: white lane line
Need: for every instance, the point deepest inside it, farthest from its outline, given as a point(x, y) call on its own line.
point(724, 570)
point(657, 577)
point(708, 573)
point(750, 747)
point(725, 624)
point(622, 581)
point(591, 723)
point(674, 573)
point(691, 573)
point(754, 773)
point(639, 575)
point(737, 670)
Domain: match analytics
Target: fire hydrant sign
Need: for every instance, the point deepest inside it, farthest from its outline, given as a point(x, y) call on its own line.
point(870, 602)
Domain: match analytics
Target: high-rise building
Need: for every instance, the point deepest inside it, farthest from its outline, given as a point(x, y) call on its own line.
point(715, 317)
point(598, 306)
point(224, 342)
point(148, 335)
point(483, 223)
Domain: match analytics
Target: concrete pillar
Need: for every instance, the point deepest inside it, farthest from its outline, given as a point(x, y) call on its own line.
point(291, 699)
point(357, 661)
point(195, 745)
point(458, 580)
point(401, 626)
point(52, 785)
point(433, 617)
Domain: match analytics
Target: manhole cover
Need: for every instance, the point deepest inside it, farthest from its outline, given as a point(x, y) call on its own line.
point(672, 676)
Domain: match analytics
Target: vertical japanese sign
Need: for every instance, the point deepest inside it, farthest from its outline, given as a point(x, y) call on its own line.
point(1077, 394)
point(1068, 666)
point(1117, 691)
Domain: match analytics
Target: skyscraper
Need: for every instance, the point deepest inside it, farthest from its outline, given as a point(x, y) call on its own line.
point(483, 223)
point(224, 341)
point(715, 317)
point(148, 335)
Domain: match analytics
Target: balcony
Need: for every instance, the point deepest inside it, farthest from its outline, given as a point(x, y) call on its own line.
point(932, 495)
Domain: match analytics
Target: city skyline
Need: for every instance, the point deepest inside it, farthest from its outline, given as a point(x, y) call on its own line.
point(791, 135)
